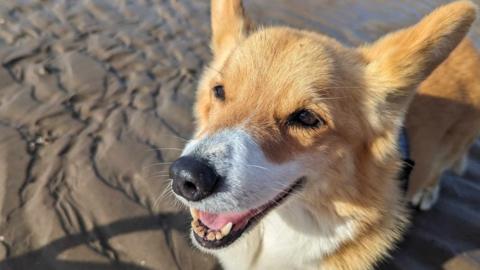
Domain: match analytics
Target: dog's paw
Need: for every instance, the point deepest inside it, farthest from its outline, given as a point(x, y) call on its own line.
point(425, 198)
point(460, 166)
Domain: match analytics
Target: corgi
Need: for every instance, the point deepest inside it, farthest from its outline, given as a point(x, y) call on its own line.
point(295, 160)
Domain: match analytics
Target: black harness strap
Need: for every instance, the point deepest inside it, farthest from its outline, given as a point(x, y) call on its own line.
point(408, 163)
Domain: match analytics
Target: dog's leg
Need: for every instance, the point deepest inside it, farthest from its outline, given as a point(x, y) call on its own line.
point(423, 187)
point(460, 166)
point(427, 194)
point(426, 197)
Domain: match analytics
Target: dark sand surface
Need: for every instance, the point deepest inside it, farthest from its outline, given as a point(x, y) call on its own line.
point(95, 100)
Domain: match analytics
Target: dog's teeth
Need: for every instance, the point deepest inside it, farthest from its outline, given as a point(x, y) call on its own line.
point(199, 229)
point(211, 236)
point(194, 213)
point(200, 232)
point(195, 223)
point(226, 229)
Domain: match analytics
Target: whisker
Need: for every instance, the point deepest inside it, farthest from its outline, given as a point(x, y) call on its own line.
point(159, 163)
point(160, 175)
point(166, 148)
point(168, 196)
point(176, 136)
point(164, 171)
point(257, 166)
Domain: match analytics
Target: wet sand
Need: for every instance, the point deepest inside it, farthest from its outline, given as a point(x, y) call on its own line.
point(95, 101)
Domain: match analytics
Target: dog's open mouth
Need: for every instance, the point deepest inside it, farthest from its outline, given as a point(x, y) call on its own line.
point(217, 230)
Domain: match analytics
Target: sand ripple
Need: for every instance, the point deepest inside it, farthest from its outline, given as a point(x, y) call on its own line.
point(95, 101)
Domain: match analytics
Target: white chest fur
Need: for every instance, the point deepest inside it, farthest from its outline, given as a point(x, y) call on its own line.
point(282, 243)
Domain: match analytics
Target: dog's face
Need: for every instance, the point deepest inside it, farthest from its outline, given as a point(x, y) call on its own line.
point(292, 119)
point(277, 124)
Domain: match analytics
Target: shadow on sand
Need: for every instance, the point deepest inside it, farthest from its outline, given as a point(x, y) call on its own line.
point(45, 257)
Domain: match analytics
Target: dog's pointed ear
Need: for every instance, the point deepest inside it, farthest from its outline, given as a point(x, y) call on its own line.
point(229, 25)
point(400, 61)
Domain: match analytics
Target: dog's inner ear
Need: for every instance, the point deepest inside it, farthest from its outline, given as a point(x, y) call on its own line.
point(400, 61)
point(230, 25)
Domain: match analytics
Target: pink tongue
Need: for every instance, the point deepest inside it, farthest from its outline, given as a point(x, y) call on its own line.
point(216, 221)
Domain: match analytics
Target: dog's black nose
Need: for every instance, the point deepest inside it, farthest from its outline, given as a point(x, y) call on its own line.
point(193, 179)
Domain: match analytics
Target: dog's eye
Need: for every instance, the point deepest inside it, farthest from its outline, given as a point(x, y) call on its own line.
point(219, 92)
point(305, 118)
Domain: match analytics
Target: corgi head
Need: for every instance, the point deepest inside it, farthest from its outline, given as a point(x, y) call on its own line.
point(292, 122)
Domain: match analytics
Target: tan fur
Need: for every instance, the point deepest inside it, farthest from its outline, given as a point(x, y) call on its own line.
point(444, 118)
point(363, 95)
